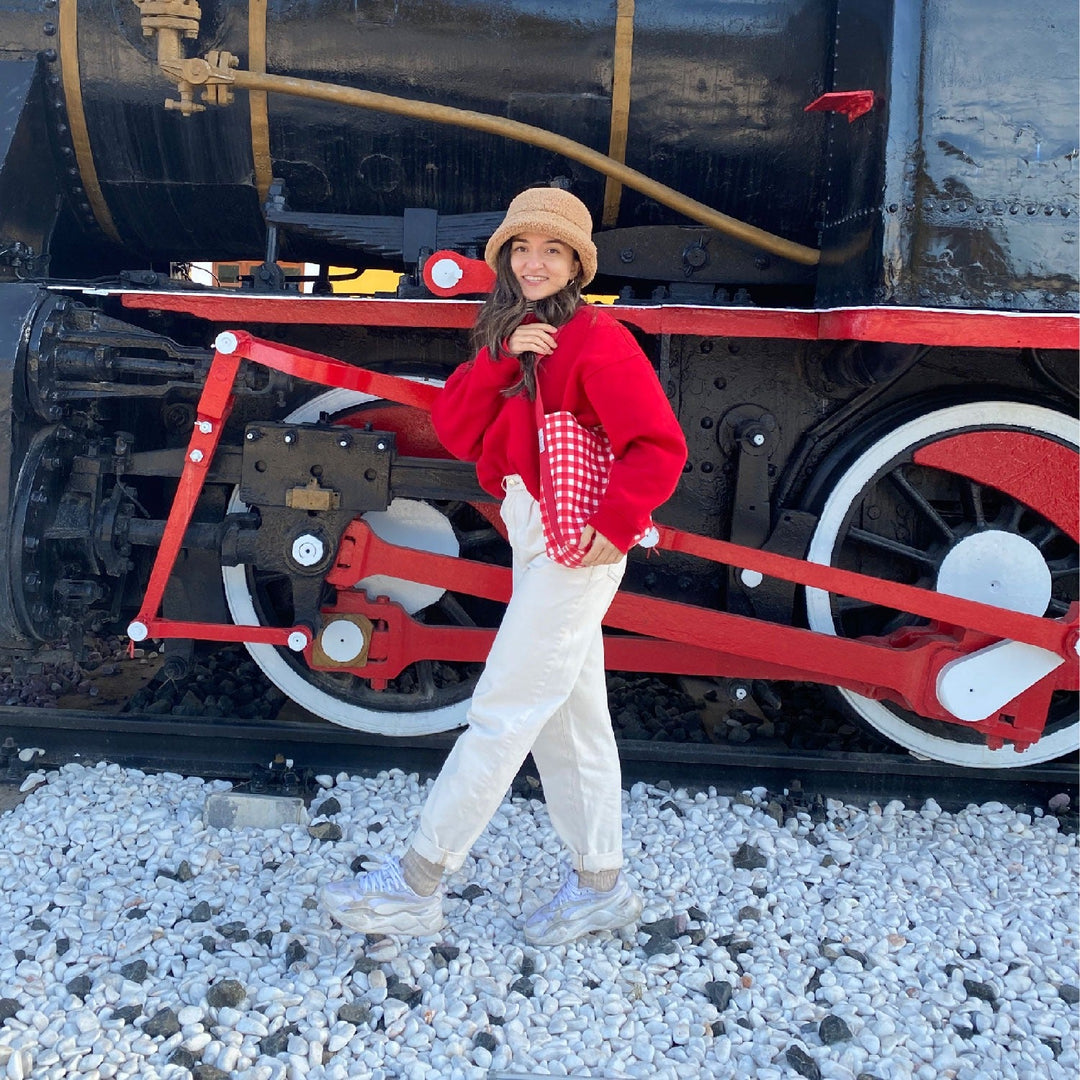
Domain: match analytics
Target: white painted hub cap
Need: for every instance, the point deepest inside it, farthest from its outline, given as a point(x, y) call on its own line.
point(998, 568)
point(342, 641)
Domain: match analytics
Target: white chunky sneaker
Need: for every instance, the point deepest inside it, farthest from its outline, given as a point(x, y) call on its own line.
point(379, 902)
point(575, 910)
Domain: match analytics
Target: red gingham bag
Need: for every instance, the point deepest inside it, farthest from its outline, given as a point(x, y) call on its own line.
point(575, 464)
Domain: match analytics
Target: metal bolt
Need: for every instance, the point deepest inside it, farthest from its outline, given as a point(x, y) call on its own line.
point(344, 442)
point(290, 437)
point(196, 456)
point(251, 436)
point(758, 439)
point(205, 426)
point(626, 255)
point(380, 445)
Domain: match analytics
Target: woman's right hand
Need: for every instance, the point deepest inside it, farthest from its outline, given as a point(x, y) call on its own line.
point(534, 337)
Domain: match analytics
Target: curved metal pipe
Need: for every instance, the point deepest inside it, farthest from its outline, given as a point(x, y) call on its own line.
point(514, 129)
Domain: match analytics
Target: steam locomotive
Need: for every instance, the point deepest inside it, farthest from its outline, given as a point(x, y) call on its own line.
point(845, 232)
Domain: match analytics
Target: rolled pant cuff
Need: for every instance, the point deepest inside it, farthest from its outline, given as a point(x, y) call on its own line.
point(596, 864)
point(428, 849)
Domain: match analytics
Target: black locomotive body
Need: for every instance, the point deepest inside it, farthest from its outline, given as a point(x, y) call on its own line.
point(845, 232)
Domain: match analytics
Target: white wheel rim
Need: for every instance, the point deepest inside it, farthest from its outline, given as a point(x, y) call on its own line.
point(287, 678)
point(953, 420)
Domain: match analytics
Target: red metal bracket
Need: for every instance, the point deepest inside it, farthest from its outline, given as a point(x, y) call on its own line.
point(446, 273)
point(852, 103)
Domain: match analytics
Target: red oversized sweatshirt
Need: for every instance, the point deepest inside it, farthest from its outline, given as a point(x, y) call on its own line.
point(597, 372)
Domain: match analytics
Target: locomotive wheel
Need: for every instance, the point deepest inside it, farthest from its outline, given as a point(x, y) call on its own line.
point(428, 696)
point(890, 517)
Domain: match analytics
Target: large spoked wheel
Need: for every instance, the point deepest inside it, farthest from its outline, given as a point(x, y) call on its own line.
point(888, 516)
point(429, 696)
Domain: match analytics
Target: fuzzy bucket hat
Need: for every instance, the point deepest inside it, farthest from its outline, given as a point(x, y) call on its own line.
point(554, 213)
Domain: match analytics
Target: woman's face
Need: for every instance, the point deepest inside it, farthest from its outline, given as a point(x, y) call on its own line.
point(542, 265)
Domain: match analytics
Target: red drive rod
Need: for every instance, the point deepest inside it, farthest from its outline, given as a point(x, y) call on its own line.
point(909, 675)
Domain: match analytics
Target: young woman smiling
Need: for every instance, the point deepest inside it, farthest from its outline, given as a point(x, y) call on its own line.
point(543, 688)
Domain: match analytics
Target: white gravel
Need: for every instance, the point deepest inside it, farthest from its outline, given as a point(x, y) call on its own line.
point(892, 943)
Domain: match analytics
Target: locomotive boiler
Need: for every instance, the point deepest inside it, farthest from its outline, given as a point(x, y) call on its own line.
point(845, 233)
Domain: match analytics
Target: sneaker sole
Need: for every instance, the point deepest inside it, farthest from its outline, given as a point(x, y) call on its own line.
point(588, 923)
point(402, 923)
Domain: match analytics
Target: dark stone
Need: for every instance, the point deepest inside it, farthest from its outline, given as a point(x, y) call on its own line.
point(828, 861)
point(471, 892)
point(410, 995)
point(328, 807)
point(79, 986)
point(813, 983)
point(657, 943)
point(830, 951)
point(294, 951)
point(982, 991)
point(696, 936)
point(522, 986)
point(228, 992)
point(1054, 1043)
point(234, 931)
point(965, 1031)
point(364, 964)
point(62, 945)
point(749, 913)
point(277, 1042)
point(748, 857)
point(310, 903)
point(135, 971)
point(667, 804)
point(719, 993)
point(136, 913)
point(273, 867)
point(357, 1012)
point(737, 948)
point(208, 1072)
point(375, 827)
point(8, 1008)
point(1068, 993)
point(184, 871)
point(856, 955)
point(447, 952)
point(39, 924)
point(209, 944)
point(867, 1076)
point(528, 965)
point(327, 831)
point(265, 937)
point(129, 1013)
point(833, 1030)
point(184, 1058)
point(802, 1063)
point(200, 912)
point(775, 811)
point(162, 1024)
point(669, 928)
point(487, 1041)
point(697, 914)
point(357, 865)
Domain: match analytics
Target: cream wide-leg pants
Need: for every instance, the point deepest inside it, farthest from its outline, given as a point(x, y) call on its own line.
point(543, 689)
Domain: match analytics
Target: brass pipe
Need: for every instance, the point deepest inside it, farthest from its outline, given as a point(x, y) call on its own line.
point(514, 129)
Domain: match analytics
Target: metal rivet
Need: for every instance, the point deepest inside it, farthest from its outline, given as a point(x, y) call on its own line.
point(196, 456)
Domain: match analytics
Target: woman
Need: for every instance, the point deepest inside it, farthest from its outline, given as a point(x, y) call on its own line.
point(543, 688)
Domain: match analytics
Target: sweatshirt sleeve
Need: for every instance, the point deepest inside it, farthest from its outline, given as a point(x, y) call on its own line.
point(646, 439)
point(470, 401)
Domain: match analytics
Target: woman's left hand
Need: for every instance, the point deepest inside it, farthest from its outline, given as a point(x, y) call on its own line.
point(599, 550)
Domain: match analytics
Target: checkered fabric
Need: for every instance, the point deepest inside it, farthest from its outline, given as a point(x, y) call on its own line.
point(575, 464)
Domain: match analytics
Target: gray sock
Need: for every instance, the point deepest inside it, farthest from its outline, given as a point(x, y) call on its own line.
point(598, 880)
point(421, 876)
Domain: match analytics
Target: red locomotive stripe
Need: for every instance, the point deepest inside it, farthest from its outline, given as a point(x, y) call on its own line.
point(923, 326)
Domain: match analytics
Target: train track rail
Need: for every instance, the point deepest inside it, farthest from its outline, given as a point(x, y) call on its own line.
point(234, 749)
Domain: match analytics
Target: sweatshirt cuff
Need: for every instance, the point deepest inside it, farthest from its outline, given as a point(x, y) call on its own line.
point(615, 529)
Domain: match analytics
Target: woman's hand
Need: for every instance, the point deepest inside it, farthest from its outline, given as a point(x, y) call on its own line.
point(534, 337)
point(599, 550)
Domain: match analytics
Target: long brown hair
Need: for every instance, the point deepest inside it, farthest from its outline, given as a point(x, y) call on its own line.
point(501, 315)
